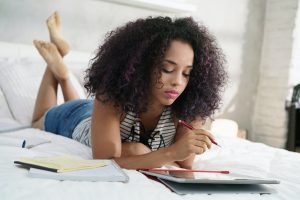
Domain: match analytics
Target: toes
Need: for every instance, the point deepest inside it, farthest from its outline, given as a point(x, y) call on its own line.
point(51, 17)
point(47, 45)
point(54, 19)
point(37, 43)
point(50, 45)
point(57, 17)
point(43, 45)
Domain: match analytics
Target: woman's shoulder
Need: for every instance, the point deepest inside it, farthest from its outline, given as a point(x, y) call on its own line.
point(107, 108)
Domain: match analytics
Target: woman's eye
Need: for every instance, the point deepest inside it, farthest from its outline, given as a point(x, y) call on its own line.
point(187, 74)
point(166, 70)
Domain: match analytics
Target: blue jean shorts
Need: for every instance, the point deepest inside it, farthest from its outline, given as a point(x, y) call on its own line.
point(63, 119)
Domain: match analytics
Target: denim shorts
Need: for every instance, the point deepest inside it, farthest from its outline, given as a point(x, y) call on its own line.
point(63, 119)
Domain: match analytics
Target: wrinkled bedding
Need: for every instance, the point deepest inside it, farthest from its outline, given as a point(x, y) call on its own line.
point(238, 155)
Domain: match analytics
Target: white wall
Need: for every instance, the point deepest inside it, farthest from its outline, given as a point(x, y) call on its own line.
point(294, 73)
point(270, 116)
point(85, 22)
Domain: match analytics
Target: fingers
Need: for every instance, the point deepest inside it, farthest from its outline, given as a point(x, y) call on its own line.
point(202, 144)
point(202, 140)
point(204, 132)
point(199, 150)
point(195, 141)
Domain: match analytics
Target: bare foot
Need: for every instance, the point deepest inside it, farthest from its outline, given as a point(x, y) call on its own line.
point(52, 57)
point(54, 24)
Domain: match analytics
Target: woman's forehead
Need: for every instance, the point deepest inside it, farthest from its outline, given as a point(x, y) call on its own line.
point(180, 53)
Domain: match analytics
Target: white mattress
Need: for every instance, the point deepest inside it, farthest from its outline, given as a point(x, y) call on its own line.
point(235, 155)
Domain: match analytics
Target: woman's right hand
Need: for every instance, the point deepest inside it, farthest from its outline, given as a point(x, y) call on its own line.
point(193, 142)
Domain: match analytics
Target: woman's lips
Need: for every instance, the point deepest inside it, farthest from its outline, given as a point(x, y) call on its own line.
point(172, 94)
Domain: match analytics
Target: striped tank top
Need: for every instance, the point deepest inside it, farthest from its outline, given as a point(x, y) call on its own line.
point(131, 130)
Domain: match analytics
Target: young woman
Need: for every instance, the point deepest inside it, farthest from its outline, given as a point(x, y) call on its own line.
point(146, 76)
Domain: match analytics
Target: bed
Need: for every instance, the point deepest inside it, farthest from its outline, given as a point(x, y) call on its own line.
point(20, 72)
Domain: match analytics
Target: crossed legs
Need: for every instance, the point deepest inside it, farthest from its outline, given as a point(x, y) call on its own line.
point(56, 72)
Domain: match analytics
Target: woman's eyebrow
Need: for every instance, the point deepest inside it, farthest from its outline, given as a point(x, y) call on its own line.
point(174, 63)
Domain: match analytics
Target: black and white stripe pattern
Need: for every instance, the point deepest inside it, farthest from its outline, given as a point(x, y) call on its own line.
point(82, 132)
point(162, 136)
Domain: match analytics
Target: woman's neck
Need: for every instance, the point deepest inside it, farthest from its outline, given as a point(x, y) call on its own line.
point(151, 117)
point(154, 110)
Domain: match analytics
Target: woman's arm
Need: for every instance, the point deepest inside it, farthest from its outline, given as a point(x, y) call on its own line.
point(193, 142)
point(106, 139)
point(152, 159)
point(136, 148)
point(106, 142)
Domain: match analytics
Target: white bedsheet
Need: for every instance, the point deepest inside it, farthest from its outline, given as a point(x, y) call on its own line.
point(235, 155)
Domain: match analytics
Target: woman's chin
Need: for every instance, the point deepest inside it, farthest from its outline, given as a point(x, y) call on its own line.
point(168, 102)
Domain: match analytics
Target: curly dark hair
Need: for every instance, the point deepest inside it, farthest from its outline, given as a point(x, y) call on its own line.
point(121, 70)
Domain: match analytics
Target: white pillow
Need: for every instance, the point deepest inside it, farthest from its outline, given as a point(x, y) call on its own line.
point(7, 122)
point(20, 80)
point(4, 109)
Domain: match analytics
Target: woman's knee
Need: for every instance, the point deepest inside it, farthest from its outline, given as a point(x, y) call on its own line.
point(38, 123)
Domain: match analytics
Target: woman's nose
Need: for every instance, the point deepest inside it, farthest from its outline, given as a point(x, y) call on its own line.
point(177, 79)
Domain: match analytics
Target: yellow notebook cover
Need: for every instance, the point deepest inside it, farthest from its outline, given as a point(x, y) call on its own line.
point(63, 163)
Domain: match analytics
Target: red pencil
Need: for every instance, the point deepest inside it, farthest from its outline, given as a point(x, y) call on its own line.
point(192, 128)
point(186, 170)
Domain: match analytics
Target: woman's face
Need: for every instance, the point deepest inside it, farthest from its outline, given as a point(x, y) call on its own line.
point(175, 70)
